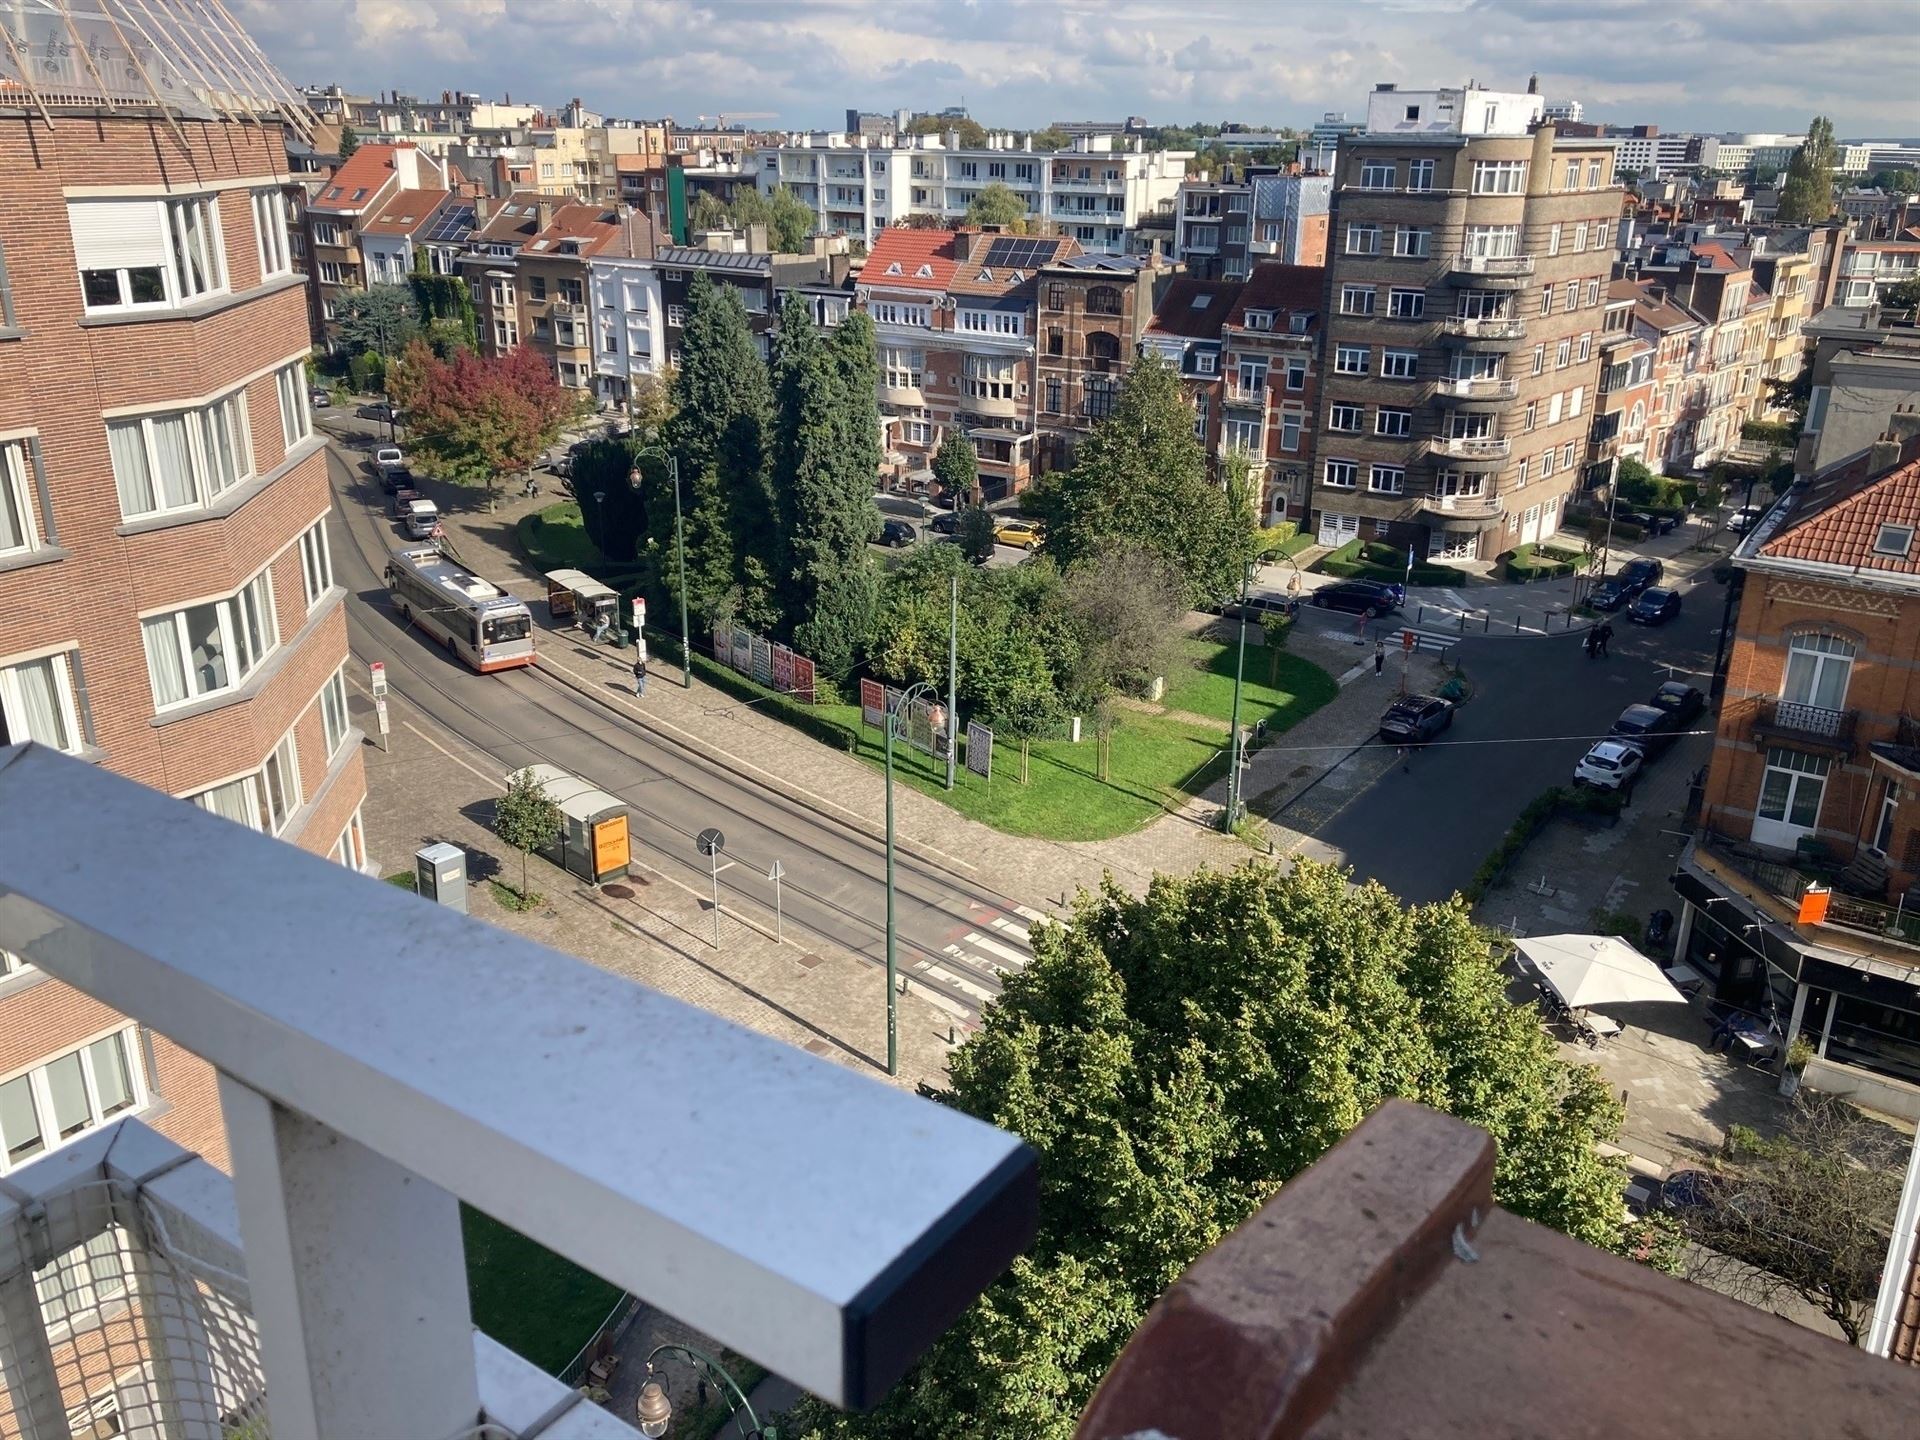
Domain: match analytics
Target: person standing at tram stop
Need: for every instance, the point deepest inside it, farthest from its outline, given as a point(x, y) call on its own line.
point(640, 678)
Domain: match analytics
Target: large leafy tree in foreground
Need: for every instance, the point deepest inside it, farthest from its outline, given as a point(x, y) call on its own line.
point(1175, 1059)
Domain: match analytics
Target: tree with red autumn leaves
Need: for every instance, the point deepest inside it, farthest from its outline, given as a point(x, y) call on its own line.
point(475, 418)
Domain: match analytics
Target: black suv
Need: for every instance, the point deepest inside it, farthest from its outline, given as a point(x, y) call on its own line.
point(1647, 726)
point(1361, 597)
point(1679, 697)
point(1414, 718)
point(1637, 575)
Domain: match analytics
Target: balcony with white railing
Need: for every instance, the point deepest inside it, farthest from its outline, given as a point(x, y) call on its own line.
point(1470, 447)
point(1491, 387)
point(1484, 327)
point(381, 1059)
point(1483, 270)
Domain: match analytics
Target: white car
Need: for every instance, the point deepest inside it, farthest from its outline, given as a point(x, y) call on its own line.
point(422, 519)
point(1609, 765)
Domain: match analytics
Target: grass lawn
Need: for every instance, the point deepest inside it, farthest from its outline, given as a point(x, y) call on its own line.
point(539, 1306)
point(1154, 760)
point(1207, 689)
point(555, 539)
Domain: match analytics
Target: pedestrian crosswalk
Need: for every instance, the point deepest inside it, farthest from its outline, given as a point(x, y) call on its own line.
point(966, 978)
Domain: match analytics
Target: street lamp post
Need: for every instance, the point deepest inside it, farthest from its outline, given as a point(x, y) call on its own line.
point(680, 556)
point(893, 717)
point(1239, 668)
point(655, 1411)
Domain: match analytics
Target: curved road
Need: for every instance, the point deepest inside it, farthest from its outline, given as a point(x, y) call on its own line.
point(834, 885)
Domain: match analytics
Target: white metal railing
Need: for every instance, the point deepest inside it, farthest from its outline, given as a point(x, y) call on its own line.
point(380, 1058)
point(1480, 505)
point(1477, 388)
point(1484, 327)
point(1475, 447)
point(1493, 266)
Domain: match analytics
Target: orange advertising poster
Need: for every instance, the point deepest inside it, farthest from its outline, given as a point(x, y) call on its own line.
point(610, 850)
point(1813, 905)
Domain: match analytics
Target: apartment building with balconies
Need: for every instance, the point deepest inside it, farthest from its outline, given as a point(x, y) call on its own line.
point(1787, 278)
point(167, 603)
point(1870, 268)
point(1091, 312)
point(338, 209)
point(1722, 387)
point(955, 312)
point(1093, 193)
point(554, 273)
point(1223, 226)
point(1794, 890)
point(1467, 275)
point(1623, 406)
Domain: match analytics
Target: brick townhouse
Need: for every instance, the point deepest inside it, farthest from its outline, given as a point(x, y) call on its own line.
point(956, 311)
point(1270, 383)
point(357, 192)
point(1795, 888)
point(1093, 310)
point(167, 603)
point(1623, 409)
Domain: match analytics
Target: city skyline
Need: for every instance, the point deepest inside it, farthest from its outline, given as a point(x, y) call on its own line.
point(1715, 66)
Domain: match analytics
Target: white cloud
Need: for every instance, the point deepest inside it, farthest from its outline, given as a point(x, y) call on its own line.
point(1715, 64)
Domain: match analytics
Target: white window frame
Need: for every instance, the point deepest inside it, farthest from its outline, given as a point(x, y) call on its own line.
point(245, 643)
point(206, 481)
point(1387, 479)
point(1396, 424)
point(180, 284)
point(270, 233)
point(296, 419)
point(1406, 304)
point(1399, 364)
point(280, 790)
point(351, 848)
point(903, 367)
point(1412, 242)
point(1585, 349)
point(1296, 373)
point(1344, 419)
point(336, 721)
point(1363, 238)
point(39, 1091)
point(1345, 364)
point(1499, 177)
point(1357, 299)
point(316, 561)
point(1242, 435)
point(1378, 175)
point(20, 494)
point(13, 702)
point(1291, 422)
point(1341, 475)
point(1420, 174)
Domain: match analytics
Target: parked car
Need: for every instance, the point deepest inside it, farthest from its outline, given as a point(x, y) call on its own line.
point(1744, 519)
point(1360, 597)
point(1647, 726)
point(1415, 718)
point(319, 399)
point(1610, 594)
point(1634, 517)
point(1654, 607)
point(896, 533)
point(1692, 1190)
point(378, 410)
point(1609, 765)
point(1662, 522)
point(402, 498)
point(390, 464)
point(947, 523)
point(422, 520)
point(1021, 534)
point(1637, 575)
point(1681, 699)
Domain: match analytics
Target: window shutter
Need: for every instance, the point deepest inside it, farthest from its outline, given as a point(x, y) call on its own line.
point(116, 234)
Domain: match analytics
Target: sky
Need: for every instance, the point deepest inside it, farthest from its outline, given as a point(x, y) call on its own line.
point(1712, 65)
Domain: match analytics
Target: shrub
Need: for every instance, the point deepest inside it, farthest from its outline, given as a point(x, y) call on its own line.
point(797, 713)
point(1778, 433)
point(1539, 810)
point(1536, 562)
point(1378, 560)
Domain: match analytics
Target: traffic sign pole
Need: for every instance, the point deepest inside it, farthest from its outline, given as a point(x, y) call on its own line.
point(380, 713)
point(640, 627)
point(775, 872)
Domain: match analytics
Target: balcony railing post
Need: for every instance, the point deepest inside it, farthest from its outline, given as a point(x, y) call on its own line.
point(357, 1278)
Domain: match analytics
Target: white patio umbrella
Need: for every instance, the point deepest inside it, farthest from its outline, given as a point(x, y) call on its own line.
point(1588, 970)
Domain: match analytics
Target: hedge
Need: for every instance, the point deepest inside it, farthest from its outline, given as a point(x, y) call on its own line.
point(1770, 432)
point(1533, 561)
point(1293, 546)
point(1377, 560)
point(1542, 808)
point(796, 713)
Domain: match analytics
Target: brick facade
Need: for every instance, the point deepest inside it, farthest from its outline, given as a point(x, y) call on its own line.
point(1092, 310)
point(82, 592)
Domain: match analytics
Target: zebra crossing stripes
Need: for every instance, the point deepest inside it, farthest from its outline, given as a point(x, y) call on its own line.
point(974, 963)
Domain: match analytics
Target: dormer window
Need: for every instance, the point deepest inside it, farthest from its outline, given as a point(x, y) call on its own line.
point(1259, 319)
point(1893, 540)
point(925, 272)
point(1297, 324)
point(986, 275)
point(894, 269)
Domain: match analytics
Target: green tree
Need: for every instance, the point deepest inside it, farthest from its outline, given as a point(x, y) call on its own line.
point(957, 468)
point(1905, 295)
point(973, 135)
point(720, 430)
point(1142, 477)
point(1896, 182)
point(708, 211)
point(827, 453)
point(1276, 628)
point(973, 533)
point(788, 219)
point(1806, 195)
point(349, 142)
point(1178, 1057)
point(1051, 139)
point(383, 319)
point(618, 523)
point(526, 818)
point(997, 204)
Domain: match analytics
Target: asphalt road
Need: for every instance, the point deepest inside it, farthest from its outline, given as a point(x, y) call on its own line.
point(1538, 704)
point(834, 875)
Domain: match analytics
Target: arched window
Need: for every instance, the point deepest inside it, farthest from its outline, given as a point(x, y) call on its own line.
point(1818, 668)
point(1637, 417)
point(1102, 349)
point(1103, 300)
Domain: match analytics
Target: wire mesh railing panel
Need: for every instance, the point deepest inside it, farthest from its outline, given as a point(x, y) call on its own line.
point(123, 1334)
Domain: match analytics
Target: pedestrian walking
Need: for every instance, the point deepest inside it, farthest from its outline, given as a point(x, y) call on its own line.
point(640, 678)
point(1606, 634)
point(1379, 656)
point(1590, 642)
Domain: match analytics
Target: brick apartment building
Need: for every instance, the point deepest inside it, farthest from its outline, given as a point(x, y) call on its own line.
point(1795, 888)
point(1093, 310)
point(167, 604)
point(335, 212)
point(1467, 272)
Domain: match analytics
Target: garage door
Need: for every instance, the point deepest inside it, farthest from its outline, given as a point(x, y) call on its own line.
point(1338, 529)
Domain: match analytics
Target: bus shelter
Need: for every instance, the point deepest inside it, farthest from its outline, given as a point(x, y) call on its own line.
point(576, 593)
point(592, 841)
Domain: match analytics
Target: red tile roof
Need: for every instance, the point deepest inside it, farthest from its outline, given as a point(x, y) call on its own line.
point(1181, 312)
point(1838, 518)
point(366, 170)
point(590, 227)
point(407, 213)
point(1662, 312)
point(905, 259)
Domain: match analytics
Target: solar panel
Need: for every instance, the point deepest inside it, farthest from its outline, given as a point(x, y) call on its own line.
point(451, 222)
point(1015, 253)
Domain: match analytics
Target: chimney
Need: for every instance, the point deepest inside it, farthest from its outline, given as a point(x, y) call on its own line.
point(482, 210)
point(1533, 84)
point(543, 211)
point(1884, 455)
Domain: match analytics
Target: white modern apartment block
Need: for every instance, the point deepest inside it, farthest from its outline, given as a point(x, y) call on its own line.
point(1572, 110)
point(1649, 153)
point(858, 185)
point(629, 324)
point(1740, 154)
point(1469, 111)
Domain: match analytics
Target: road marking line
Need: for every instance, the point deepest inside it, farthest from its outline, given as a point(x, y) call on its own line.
point(960, 982)
point(1006, 953)
point(1029, 913)
point(945, 1002)
point(1018, 932)
point(1355, 673)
